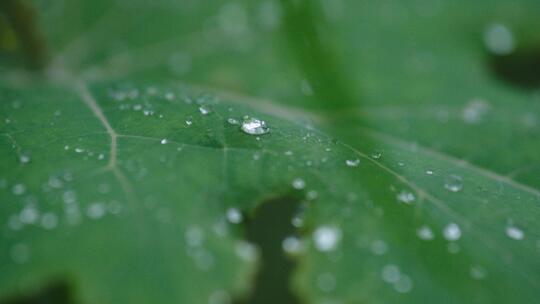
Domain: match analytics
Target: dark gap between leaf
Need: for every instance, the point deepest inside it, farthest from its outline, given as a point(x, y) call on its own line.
point(58, 292)
point(267, 229)
point(520, 68)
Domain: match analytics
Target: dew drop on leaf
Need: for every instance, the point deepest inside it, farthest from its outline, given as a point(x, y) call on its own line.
point(326, 238)
point(515, 233)
point(24, 158)
point(425, 233)
point(452, 232)
point(254, 126)
point(292, 245)
point(164, 141)
point(19, 189)
point(234, 216)
point(453, 183)
point(298, 184)
point(405, 197)
point(205, 110)
point(498, 39)
point(390, 273)
point(352, 162)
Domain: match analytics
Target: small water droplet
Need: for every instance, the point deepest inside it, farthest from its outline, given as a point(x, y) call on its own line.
point(205, 110)
point(24, 158)
point(326, 238)
point(405, 197)
point(79, 150)
point(19, 189)
point(232, 121)
point(498, 39)
point(429, 172)
point(96, 210)
point(254, 126)
point(352, 162)
point(29, 215)
point(298, 184)
point(292, 245)
point(164, 141)
point(478, 272)
point(452, 232)
point(390, 273)
point(376, 154)
point(425, 233)
point(453, 183)
point(379, 247)
point(246, 251)
point(515, 233)
point(404, 284)
point(234, 216)
point(189, 122)
point(49, 220)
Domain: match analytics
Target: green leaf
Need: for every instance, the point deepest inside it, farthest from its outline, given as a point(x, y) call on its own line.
point(120, 165)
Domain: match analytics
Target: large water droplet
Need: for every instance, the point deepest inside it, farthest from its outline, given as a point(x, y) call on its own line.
point(254, 126)
point(453, 183)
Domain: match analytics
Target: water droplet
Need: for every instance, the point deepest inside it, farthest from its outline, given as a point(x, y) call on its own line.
point(515, 233)
point(379, 247)
point(189, 122)
point(246, 251)
point(312, 195)
point(326, 238)
point(164, 141)
point(475, 111)
point(425, 233)
point(478, 272)
point(292, 245)
point(404, 284)
point(96, 210)
point(298, 184)
point(19, 189)
point(194, 236)
point(429, 172)
point(352, 162)
point(406, 197)
point(376, 154)
point(79, 150)
point(49, 220)
point(205, 110)
point(453, 183)
point(234, 216)
point(452, 232)
point(232, 121)
point(254, 126)
point(390, 273)
point(29, 215)
point(24, 158)
point(498, 39)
